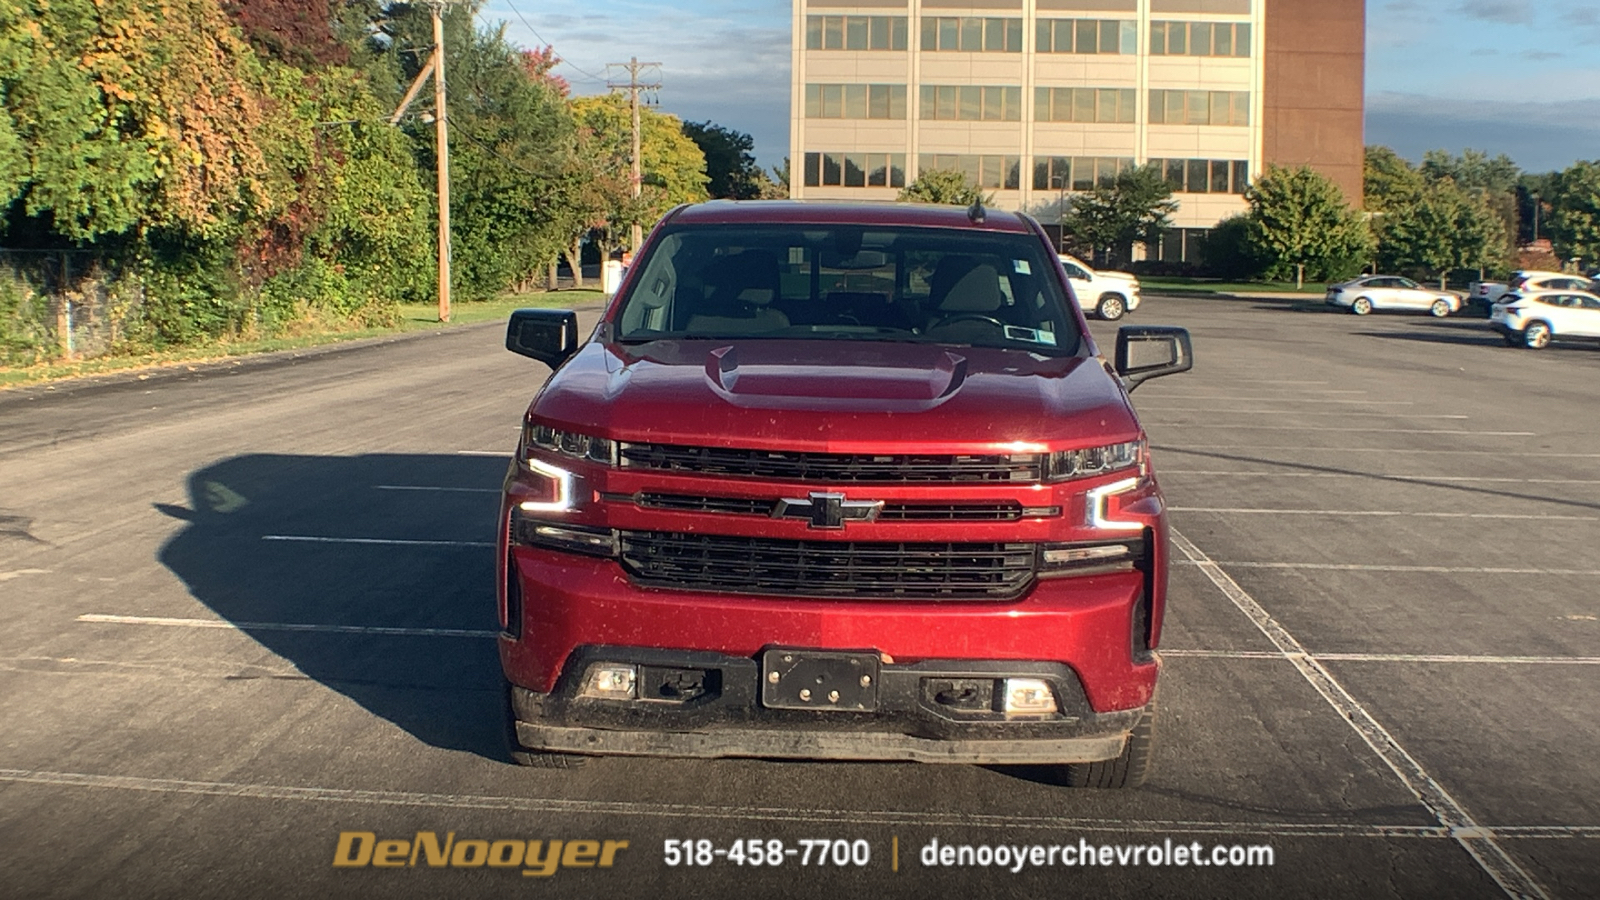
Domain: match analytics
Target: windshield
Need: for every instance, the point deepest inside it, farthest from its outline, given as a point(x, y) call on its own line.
point(823, 282)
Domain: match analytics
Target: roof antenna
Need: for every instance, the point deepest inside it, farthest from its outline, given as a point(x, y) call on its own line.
point(975, 212)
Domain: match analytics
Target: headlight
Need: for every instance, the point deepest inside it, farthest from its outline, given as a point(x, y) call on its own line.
point(1064, 464)
point(531, 532)
point(572, 444)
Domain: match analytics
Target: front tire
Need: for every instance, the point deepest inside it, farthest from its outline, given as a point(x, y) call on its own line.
point(1361, 307)
point(1440, 309)
point(1111, 307)
point(1536, 336)
point(1126, 771)
point(533, 759)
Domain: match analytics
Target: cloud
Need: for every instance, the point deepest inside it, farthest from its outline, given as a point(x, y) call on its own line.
point(1515, 12)
point(1542, 136)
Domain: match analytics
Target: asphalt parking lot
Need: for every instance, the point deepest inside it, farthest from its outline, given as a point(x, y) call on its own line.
point(247, 609)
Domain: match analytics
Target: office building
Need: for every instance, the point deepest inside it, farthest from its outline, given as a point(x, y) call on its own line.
point(1035, 99)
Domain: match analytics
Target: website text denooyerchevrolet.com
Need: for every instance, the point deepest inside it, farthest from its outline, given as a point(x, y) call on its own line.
point(1017, 857)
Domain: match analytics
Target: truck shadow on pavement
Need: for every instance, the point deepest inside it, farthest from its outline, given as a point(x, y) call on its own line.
point(362, 572)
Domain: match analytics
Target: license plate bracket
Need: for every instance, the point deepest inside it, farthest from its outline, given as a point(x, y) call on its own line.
point(819, 680)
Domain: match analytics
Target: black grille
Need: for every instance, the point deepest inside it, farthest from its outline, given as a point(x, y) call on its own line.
point(1005, 511)
point(689, 503)
point(950, 512)
point(835, 467)
point(866, 569)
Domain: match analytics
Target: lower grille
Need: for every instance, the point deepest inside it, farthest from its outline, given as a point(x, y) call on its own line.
point(838, 569)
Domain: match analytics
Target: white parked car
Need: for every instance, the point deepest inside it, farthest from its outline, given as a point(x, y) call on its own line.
point(1535, 318)
point(1488, 293)
point(1363, 295)
point(1105, 294)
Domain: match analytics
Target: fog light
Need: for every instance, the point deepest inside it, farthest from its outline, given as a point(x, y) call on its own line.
point(610, 681)
point(1029, 697)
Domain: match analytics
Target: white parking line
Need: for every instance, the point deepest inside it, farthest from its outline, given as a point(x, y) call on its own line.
point(1391, 657)
point(429, 487)
point(1448, 478)
point(913, 818)
point(312, 539)
point(483, 453)
point(1521, 454)
point(1369, 567)
point(1290, 398)
point(1479, 842)
point(1294, 412)
point(1379, 512)
point(1335, 428)
point(283, 626)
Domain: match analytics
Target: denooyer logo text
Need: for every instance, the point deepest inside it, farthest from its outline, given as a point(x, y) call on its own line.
point(359, 849)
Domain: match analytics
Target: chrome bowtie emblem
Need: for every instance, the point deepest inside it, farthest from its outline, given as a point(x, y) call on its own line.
point(827, 510)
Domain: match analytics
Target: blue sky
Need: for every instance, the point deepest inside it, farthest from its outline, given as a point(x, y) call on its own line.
point(1520, 77)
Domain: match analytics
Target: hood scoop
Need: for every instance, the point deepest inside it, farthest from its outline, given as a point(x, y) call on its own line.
point(847, 377)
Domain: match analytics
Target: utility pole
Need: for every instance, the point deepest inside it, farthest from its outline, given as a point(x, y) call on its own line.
point(441, 138)
point(633, 87)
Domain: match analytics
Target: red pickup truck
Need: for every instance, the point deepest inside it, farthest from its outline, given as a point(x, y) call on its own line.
point(841, 481)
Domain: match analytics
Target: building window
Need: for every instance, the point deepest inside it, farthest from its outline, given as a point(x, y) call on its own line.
point(972, 34)
point(1199, 107)
point(1205, 176)
point(855, 101)
point(1185, 245)
point(989, 172)
point(1086, 36)
point(856, 170)
point(972, 103)
point(856, 32)
point(1080, 104)
point(1077, 173)
point(1200, 38)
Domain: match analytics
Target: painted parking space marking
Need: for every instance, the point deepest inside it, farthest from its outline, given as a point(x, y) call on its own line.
point(1194, 450)
point(1451, 658)
point(1466, 831)
point(1424, 479)
point(891, 817)
point(1342, 428)
point(169, 622)
point(317, 539)
point(1432, 514)
point(1379, 567)
point(430, 487)
point(1295, 412)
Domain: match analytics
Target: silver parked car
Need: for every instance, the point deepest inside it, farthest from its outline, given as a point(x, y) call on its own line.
point(1370, 292)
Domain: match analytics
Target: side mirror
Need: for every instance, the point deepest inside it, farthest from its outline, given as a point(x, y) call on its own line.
point(548, 335)
point(1151, 351)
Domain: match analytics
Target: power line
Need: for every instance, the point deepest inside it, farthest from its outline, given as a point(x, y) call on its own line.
point(590, 75)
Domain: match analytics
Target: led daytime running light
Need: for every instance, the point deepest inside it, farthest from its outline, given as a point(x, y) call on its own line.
point(1097, 505)
point(563, 479)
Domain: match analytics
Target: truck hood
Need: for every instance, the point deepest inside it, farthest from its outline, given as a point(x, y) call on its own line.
point(836, 396)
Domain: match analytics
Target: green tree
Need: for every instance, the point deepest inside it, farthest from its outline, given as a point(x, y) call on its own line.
point(1428, 225)
point(944, 187)
point(1473, 170)
point(673, 169)
point(1575, 211)
point(1300, 225)
point(1136, 207)
point(731, 167)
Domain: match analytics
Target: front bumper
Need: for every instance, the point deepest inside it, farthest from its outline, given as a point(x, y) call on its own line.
point(1095, 624)
point(727, 719)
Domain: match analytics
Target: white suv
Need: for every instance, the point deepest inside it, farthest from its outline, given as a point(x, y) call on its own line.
point(1535, 318)
point(1106, 294)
